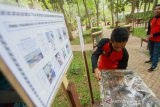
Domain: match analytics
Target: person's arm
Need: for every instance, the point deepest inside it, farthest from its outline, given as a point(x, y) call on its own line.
point(123, 63)
point(95, 56)
point(149, 27)
point(97, 53)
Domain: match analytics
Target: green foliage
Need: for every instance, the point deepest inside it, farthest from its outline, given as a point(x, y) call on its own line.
point(110, 27)
point(60, 99)
point(75, 68)
point(87, 33)
point(86, 36)
point(97, 28)
point(140, 15)
point(140, 32)
point(119, 6)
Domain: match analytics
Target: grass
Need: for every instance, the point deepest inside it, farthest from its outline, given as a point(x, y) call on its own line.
point(60, 99)
point(140, 32)
point(77, 74)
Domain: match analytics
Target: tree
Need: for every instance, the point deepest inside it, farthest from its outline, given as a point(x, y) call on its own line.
point(97, 10)
point(111, 7)
point(60, 3)
point(17, 1)
point(55, 6)
point(155, 3)
point(138, 6)
point(77, 3)
point(45, 4)
point(104, 18)
point(133, 3)
point(87, 14)
point(145, 6)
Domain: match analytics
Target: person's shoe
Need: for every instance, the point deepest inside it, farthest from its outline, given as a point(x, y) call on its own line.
point(151, 69)
point(149, 61)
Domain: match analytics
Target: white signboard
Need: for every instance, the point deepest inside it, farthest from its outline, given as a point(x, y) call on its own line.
point(80, 33)
point(35, 46)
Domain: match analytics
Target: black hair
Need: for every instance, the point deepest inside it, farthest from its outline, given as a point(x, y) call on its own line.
point(119, 35)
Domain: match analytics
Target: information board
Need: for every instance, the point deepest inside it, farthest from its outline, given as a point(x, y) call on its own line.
point(80, 32)
point(35, 46)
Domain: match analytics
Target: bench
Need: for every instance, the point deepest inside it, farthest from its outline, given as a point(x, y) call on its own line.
point(96, 37)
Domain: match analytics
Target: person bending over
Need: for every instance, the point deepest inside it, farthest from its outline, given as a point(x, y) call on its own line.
point(112, 52)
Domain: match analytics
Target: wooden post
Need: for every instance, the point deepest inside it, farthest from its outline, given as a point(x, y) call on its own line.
point(85, 59)
point(72, 96)
point(71, 90)
point(64, 87)
point(88, 77)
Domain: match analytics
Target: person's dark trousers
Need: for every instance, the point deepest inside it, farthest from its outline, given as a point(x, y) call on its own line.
point(154, 49)
point(151, 46)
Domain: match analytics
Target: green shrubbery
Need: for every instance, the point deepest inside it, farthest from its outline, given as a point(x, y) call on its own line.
point(95, 29)
point(140, 32)
point(146, 16)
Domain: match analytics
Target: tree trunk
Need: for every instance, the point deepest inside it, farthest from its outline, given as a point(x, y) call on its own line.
point(140, 6)
point(52, 6)
point(52, 2)
point(133, 6)
point(117, 10)
point(145, 8)
point(70, 18)
point(43, 1)
point(78, 8)
point(56, 8)
point(149, 5)
point(155, 3)
point(123, 15)
point(97, 12)
point(87, 14)
point(112, 13)
point(17, 2)
point(66, 20)
point(31, 4)
point(104, 18)
point(117, 16)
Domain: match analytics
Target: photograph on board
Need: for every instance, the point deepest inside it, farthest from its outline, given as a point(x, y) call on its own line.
point(51, 39)
point(34, 57)
point(59, 59)
point(64, 33)
point(59, 35)
point(64, 53)
point(49, 71)
point(67, 48)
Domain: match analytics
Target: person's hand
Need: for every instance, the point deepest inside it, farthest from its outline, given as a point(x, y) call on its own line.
point(94, 49)
point(97, 74)
point(151, 35)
